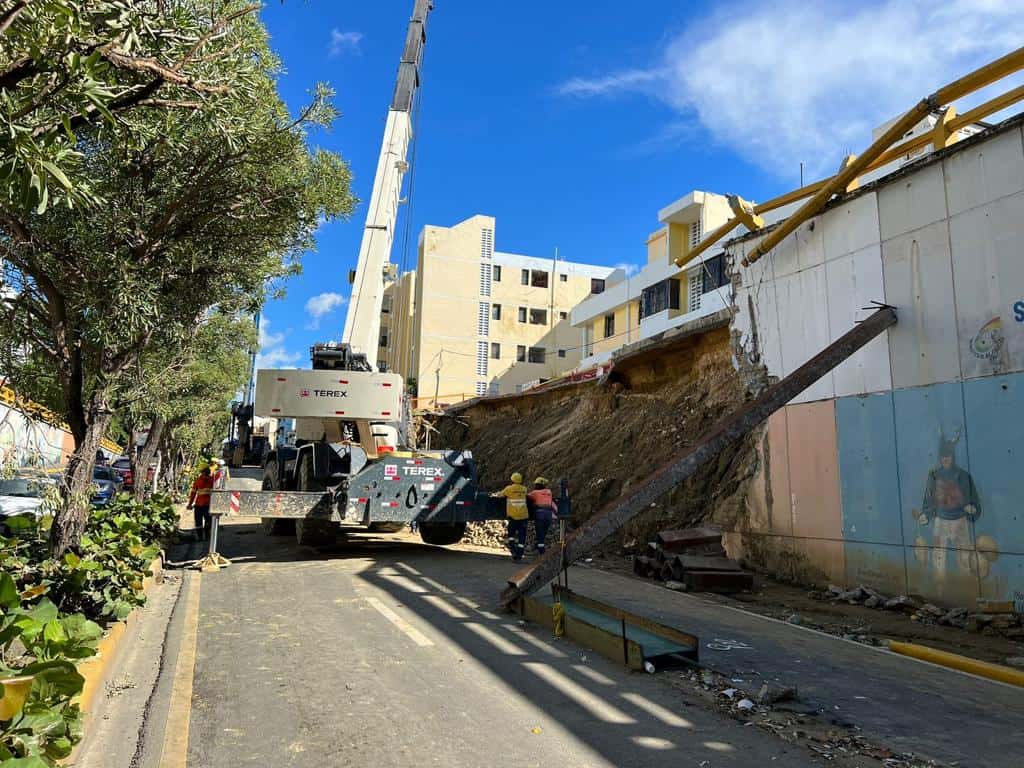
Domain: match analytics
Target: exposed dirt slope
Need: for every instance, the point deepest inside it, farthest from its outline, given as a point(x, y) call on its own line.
point(606, 437)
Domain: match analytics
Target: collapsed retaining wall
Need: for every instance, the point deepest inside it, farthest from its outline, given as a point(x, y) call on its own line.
point(604, 436)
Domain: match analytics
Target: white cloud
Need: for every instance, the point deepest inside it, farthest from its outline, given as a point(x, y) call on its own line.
point(322, 305)
point(792, 81)
point(629, 269)
point(272, 352)
point(344, 42)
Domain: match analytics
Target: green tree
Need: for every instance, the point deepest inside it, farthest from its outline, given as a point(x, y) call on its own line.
point(73, 65)
point(206, 207)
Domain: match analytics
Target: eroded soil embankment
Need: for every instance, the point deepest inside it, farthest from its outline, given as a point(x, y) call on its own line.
point(606, 437)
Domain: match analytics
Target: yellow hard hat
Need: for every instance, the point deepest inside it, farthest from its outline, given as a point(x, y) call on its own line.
point(516, 477)
point(541, 481)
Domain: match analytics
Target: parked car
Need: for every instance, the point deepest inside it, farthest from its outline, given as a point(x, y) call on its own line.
point(22, 496)
point(124, 467)
point(108, 484)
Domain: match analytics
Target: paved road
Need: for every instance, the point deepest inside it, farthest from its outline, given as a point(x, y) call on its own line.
point(388, 652)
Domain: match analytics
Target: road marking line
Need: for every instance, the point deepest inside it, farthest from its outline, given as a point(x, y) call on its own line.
point(175, 749)
point(414, 634)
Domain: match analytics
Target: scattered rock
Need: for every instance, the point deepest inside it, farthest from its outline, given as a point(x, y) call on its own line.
point(873, 601)
point(729, 692)
point(954, 618)
point(745, 704)
point(772, 692)
point(796, 707)
point(929, 609)
point(1016, 661)
point(900, 603)
point(835, 591)
point(1016, 633)
point(795, 619)
point(976, 622)
point(707, 678)
point(677, 586)
point(854, 596)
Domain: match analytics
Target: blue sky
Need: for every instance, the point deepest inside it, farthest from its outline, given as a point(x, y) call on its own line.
point(573, 121)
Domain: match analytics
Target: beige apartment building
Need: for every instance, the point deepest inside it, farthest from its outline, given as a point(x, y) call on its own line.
point(473, 321)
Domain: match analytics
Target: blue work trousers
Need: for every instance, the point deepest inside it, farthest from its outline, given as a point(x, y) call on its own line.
point(517, 537)
point(542, 518)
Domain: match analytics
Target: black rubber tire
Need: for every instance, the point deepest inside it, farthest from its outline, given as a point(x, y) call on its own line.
point(274, 526)
point(442, 534)
point(312, 532)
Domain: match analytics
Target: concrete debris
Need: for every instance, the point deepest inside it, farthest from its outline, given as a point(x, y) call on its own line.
point(874, 601)
point(730, 692)
point(771, 693)
point(835, 590)
point(954, 618)
point(678, 586)
point(707, 678)
point(900, 603)
point(855, 595)
point(745, 704)
point(1016, 661)
point(796, 618)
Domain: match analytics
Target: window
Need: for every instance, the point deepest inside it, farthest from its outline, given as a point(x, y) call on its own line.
point(486, 273)
point(496, 271)
point(561, 353)
point(383, 339)
point(520, 354)
point(696, 288)
point(524, 276)
point(496, 312)
point(481, 388)
point(538, 317)
point(714, 273)
point(563, 278)
point(536, 354)
point(486, 243)
point(538, 278)
point(522, 314)
point(696, 234)
point(495, 351)
point(609, 325)
point(385, 305)
point(563, 315)
point(481, 358)
point(596, 285)
point(659, 297)
point(483, 319)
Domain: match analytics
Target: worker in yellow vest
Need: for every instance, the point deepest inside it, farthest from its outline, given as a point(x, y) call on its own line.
point(518, 517)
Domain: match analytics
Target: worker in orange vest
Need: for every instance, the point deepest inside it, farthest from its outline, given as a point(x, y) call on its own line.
point(199, 502)
point(518, 516)
point(542, 505)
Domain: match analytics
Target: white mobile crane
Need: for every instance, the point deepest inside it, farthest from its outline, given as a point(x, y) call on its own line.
point(348, 465)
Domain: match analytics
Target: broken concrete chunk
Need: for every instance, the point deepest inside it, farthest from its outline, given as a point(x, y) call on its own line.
point(795, 619)
point(677, 586)
point(773, 692)
point(873, 601)
point(853, 596)
point(745, 704)
point(835, 591)
point(1016, 661)
point(900, 603)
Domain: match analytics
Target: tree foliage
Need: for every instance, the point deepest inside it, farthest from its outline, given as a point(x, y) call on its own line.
point(206, 205)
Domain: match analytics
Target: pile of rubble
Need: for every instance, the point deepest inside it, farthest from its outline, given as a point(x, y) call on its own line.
point(990, 619)
point(494, 535)
point(692, 559)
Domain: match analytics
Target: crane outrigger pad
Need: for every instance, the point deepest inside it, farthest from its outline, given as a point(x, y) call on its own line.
point(611, 631)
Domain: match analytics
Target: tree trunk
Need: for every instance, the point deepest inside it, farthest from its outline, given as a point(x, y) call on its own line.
point(69, 522)
point(142, 459)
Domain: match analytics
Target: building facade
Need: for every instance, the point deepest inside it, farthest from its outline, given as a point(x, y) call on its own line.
point(661, 295)
point(481, 321)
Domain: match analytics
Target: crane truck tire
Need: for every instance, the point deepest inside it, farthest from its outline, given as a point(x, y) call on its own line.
point(312, 532)
point(274, 526)
point(442, 533)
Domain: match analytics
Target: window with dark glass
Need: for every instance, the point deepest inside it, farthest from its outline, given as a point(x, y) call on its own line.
point(538, 278)
point(524, 276)
point(496, 312)
point(561, 353)
point(563, 278)
point(609, 325)
point(496, 273)
point(659, 297)
point(562, 315)
point(522, 314)
point(596, 285)
point(520, 354)
point(538, 317)
point(536, 354)
point(495, 351)
point(714, 273)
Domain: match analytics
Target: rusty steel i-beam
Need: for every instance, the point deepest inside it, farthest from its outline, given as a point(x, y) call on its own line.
point(684, 464)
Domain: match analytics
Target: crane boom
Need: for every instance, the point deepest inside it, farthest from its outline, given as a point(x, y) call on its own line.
point(362, 321)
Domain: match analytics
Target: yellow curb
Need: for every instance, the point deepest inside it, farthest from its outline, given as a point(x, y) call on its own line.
point(96, 669)
point(962, 663)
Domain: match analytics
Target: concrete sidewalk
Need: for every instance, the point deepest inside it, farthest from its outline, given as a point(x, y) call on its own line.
point(913, 706)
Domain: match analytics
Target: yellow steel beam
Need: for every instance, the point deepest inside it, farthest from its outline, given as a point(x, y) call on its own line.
point(840, 181)
point(990, 107)
point(879, 154)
